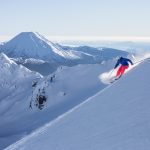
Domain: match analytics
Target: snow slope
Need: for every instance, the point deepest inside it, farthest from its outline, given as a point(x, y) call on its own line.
point(17, 119)
point(13, 76)
point(116, 118)
point(15, 87)
point(71, 85)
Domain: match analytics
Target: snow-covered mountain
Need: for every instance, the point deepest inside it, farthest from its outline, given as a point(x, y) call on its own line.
point(116, 118)
point(29, 45)
point(22, 89)
point(15, 83)
point(16, 92)
point(10, 72)
point(99, 54)
point(34, 45)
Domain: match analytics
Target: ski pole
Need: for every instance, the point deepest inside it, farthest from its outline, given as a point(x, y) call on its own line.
point(111, 72)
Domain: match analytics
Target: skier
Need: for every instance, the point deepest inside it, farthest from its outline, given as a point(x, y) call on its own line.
point(124, 62)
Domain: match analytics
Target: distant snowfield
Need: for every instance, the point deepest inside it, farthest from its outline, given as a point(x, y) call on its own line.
point(116, 118)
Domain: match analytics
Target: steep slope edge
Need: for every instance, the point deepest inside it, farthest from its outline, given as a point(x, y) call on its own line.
point(116, 118)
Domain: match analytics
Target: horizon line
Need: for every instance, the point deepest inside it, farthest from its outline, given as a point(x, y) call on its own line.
point(99, 38)
point(60, 38)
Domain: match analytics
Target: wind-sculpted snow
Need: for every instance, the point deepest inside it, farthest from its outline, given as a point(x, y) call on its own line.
point(116, 118)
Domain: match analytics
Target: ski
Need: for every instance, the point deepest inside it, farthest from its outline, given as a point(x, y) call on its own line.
point(115, 79)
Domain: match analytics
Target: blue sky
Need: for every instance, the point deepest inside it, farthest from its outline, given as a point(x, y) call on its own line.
point(76, 18)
